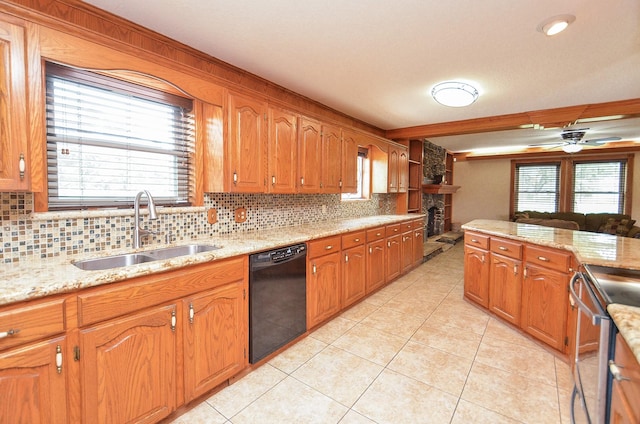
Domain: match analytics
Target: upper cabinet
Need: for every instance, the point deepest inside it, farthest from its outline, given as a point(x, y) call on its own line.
point(14, 131)
point(309, 157)
point(245, 164)
point(390, 168)
point(283, 150)
point(349, 162)
point(330, 181)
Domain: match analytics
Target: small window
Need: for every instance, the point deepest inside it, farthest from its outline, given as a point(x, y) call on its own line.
point(599, 187)
point(362, 180)
point(108, 139)
point(537, 187)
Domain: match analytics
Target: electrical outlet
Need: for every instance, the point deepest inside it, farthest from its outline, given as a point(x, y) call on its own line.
point(241, 215)
point(212, 216)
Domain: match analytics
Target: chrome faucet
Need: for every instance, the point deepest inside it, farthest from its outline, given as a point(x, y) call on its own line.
point(138, 233)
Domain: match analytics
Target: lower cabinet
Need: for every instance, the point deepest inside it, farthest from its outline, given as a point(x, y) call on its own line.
point(476, 275)
point(394, 257)
point(323, 280)
point(376, 259)
point(33, 383)
point(418, 243)
point(354, 280)
point(625, 386)
point(505, 286)
point(214, 340)
point(128, 368)
point(407, 251)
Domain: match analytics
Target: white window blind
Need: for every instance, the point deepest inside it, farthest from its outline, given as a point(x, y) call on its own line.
point(537, 187)
point(599, 186)
point(108, 139)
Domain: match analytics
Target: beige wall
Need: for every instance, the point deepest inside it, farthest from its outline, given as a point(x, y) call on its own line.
point(485, 185)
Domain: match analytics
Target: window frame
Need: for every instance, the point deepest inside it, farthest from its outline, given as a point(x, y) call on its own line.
point(566, 197)
point(152, 92)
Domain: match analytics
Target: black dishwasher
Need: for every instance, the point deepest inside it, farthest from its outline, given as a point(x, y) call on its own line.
point(277, 299)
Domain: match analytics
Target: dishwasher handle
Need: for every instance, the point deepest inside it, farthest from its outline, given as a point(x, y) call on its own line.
point(578, 278)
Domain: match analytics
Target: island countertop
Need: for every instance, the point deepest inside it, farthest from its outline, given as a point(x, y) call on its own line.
point(589, 248)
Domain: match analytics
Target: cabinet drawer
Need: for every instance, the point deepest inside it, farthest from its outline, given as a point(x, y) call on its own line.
point(477, 240)
point(353, 239)
point(392, 230)
point(417, 224)
point(406, 226)
point(548, 258)
point(31, 322)
point(375, 234)
point(324, 246)
point(509, 248)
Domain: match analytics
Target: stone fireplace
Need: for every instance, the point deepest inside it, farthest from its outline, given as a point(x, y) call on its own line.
point(433, 204)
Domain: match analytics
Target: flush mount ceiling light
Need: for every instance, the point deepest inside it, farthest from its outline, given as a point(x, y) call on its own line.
point(454, 94)
point(572, 148)
point(555, 24)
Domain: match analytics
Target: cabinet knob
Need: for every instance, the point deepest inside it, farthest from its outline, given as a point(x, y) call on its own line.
point(9, 332)
point(328, 247)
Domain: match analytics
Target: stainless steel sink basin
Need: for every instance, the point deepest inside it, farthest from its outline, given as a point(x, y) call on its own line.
point(189, 249)
point(118, 261)
point(110, 262)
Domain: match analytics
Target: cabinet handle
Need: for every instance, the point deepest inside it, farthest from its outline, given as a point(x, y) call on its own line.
point(321, 186)
point(474, 241)
point(273, 180)
point(371, 250)
point(515, 270)
point(302, 181)
point(328, 247)
point(389, 244)
point(59, 359)
point(313, 269)
point(8, 333)
point(173, 320)
point(356, 240)
point(378, 234)
point(235, 177)
point(615, 372)
point(346, 258)
point(191, 313)
point(543, 259)
point(21, 166)
point(483, 258)
point(525, 272)
point(504, 249)
point(340, 183)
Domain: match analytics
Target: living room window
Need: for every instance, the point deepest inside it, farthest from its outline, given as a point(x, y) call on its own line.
point(572, 184)
point(108, 139)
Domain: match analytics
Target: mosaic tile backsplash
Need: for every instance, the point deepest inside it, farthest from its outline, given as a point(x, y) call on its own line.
point(27, 235)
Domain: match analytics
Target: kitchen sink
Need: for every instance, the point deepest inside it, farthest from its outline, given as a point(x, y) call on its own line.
point(118, 261)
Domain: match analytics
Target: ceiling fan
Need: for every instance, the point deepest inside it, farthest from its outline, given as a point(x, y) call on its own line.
point(572, 140)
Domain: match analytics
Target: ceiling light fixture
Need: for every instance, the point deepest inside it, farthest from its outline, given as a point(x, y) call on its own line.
point(454, 94)
point(572, 148)
point(555, 24)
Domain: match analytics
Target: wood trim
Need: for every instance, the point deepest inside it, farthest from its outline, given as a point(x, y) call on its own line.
point(533, 153)
point(548, 118)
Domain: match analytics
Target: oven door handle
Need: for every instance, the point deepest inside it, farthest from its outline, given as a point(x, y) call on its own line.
point(578, 278)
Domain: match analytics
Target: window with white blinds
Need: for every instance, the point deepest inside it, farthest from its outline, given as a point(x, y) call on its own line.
point(108, 139)
point(599, 186)
point(537, 187)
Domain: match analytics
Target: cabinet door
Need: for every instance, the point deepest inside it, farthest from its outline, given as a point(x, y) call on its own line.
point(215, 338)
point(283, 140)
point(246, 141)
point(349, 162)
point(418, 246)
point(476, 275)
point(128, 368)
point(544, 305)
point(393, 169)
point(376, 254)
point(505, 287)
point(309, 156)
point(33, 387)
point(394, 257)
point(331, 159)
point(353, 275)
point(407, 251)
point(13, 108)
point(403, 171)
point(323, 288)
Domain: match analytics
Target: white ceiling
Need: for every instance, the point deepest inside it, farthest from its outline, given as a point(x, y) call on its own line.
point(377, 60)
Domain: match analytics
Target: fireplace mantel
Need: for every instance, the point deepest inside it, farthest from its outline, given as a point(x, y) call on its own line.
point(439, 188)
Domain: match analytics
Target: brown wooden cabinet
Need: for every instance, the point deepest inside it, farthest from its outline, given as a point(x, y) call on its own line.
point(14, 131)
point(403, 171)
point(418, 242)
point(214, 337)
point(33, 384)
point(376, 258)
point(128, 367)
point(349, 162)
point(415, 175)
point(407, 247)
point(354, 285)
point(476, 268)
point(393, 257)
point(245, 162)
point(505, 279)
point(309, 156)
point(324, 288)
point(625, 387)
point(331, 181)
point(283, 149)
point(545, 295)
point(398, 170)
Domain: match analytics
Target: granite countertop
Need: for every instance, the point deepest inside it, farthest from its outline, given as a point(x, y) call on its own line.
point(627, 319)
point(37, 278)
point(589, 248)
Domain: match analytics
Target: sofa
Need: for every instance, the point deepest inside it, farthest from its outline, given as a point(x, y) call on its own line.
point(610, 223)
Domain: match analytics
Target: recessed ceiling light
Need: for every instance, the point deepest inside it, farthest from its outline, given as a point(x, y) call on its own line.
point(454, 93)
point(555, 24)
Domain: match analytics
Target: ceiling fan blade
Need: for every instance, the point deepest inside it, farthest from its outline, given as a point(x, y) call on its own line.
point(551, 144)
point(602, 140)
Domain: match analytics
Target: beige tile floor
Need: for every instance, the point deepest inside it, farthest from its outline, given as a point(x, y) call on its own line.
point(415, 352)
